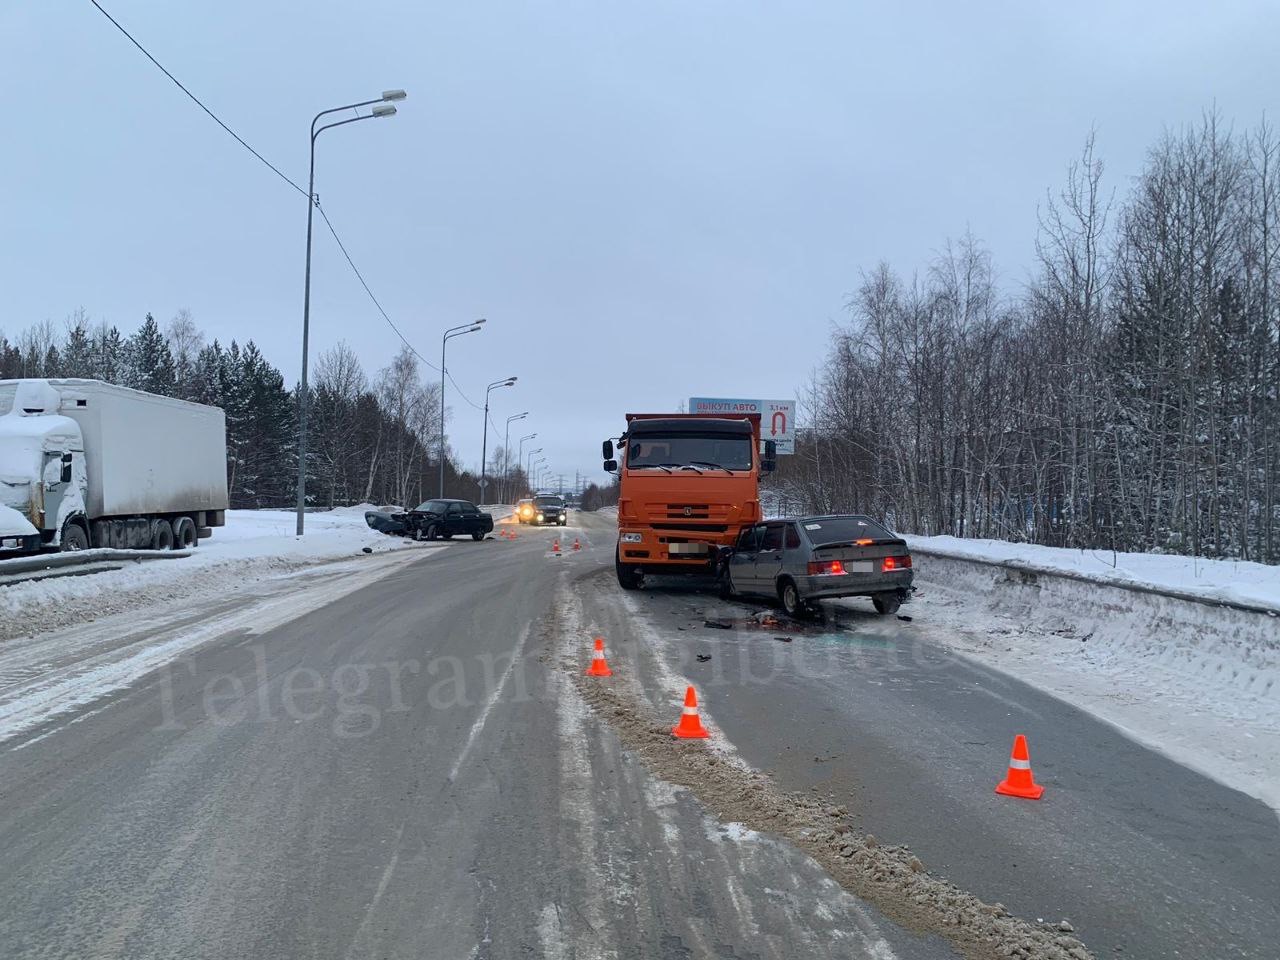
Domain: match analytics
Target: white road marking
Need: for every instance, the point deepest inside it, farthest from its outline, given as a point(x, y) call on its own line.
point(476, 727)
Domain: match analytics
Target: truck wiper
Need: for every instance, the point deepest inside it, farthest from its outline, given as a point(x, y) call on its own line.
point(690, 466)
point(718, 466)
point(650, 466)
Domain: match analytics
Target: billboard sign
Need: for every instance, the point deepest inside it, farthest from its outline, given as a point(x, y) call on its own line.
point(777, 417)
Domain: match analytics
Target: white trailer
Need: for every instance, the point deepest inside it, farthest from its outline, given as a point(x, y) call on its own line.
point(91, 464)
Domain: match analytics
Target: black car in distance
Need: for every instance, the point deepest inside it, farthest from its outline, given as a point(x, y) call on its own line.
point(549, 509)
point(435, 519)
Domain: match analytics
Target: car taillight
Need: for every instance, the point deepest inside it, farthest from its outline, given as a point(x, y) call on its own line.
point(897, 563)
point(818, 568)
point(863, 543)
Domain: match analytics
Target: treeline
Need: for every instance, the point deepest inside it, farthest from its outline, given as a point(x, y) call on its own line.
point(369, 439)
point(1126, 399)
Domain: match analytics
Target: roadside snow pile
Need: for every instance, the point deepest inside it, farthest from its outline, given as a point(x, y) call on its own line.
point(1198, 682)
point(1230, 580)
point(253, 544)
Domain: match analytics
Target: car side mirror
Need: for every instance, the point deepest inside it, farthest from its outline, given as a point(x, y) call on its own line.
point(66, 468)
point(606, 450)
point(611, 466)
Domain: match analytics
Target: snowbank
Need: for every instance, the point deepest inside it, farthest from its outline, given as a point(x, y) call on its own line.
point(1227, 580)
point(252, 545)
point(1198, 682)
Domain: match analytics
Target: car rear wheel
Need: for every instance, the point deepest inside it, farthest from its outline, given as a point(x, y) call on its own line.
point(790, 597)
point(477, 535)
point(886, 603)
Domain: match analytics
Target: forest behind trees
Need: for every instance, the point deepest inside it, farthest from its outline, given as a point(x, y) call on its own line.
point(370, 438)
point(1126, 398)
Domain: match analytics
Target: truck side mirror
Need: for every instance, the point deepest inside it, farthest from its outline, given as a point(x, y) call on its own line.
point(611, 466)
point(768, 466)
point(66, 468)
point(606, 450)
point(770, 449)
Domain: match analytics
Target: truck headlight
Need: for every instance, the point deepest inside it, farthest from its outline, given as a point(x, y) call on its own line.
point(630, 538)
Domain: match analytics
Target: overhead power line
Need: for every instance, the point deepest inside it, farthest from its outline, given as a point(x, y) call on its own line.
point(276, 170)
point(196, 100)
point(356, 270)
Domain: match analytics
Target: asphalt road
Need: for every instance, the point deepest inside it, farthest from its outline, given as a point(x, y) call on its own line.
point(399, 771)
point(1144, 857)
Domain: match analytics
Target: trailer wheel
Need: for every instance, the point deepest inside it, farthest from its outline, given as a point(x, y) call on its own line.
point(161, 535)
point(74, 537)
point(184, 533)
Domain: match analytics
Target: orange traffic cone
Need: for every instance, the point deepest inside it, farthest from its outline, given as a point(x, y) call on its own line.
point(576, 544)
point(599, 666)
point(555, 546)
point(690, 725)
point(1019, 782)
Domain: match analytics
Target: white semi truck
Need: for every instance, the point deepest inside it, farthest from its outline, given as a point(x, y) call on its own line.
point(89, 464)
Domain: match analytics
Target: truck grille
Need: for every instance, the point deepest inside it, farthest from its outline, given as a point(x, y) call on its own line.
point(716, 512)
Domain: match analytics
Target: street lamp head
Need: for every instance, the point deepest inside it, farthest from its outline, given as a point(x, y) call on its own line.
point(393, 94)
point(473, 328)
point(384, 110)
point(480, 321)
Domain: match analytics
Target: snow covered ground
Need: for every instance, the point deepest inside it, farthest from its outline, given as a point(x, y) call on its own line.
point(1231, 580)
point(253, 545)
point(1200, 683)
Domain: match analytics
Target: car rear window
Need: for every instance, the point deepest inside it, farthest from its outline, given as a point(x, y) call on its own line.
point(822, 530)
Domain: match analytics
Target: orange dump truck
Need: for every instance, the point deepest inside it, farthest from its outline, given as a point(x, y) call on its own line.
point(689, 484)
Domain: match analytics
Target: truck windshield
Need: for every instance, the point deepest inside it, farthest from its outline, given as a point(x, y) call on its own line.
point(732, 452)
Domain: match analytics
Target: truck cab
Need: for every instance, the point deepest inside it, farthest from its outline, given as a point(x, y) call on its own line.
point(689, 484)
point(42, 472)
point(90, 464)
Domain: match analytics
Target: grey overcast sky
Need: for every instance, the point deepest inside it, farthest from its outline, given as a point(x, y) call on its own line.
point(647, 200)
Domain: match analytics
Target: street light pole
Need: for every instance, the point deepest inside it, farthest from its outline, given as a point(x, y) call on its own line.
point(484, 442)
point(384, 108)
point(506, 453)
point(520, 454)
point(462, 328)
point(529, 467)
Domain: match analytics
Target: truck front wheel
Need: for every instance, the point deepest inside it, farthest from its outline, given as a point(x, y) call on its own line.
point(628, 577)
point(74, 537)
